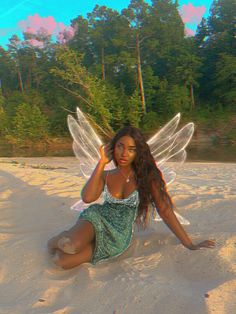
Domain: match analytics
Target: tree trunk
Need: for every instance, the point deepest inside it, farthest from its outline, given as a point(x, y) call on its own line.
point(20, 80)
point(103, 65)
point(28, 81)
point(192, 97)
point(140, 78)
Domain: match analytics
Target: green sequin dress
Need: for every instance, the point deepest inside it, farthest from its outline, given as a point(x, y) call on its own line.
point(113, 222)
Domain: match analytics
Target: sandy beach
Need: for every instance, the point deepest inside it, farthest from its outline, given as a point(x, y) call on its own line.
point(156, 275)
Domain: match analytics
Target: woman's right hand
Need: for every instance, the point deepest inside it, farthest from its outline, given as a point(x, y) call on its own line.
point(203, 244)
point(106, 153)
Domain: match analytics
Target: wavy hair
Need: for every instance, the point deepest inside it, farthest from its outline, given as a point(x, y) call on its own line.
point(145, 170)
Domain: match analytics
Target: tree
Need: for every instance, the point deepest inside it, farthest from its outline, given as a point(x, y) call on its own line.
point(150, 121)
point(219, 40)
point(102, 21)
point(225, 80)
point(202, 34)
point(92, 93)
point(177, 99)
point(81, 41)
point(137, 14)
point(151, 85)
point(8, 74)
point(133, 113)
point(29, 124)
point(188, 72)
point(3, 116)
point(13, 48)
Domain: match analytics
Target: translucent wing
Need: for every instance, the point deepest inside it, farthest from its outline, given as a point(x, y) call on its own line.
point(168, 149)
point(86, 144)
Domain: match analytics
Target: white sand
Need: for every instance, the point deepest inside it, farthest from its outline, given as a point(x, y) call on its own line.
point(156, 275)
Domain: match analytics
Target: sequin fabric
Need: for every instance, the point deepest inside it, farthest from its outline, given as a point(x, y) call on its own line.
point(113, 222)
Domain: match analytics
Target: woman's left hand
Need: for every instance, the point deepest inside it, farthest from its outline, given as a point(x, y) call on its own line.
point(203, 244)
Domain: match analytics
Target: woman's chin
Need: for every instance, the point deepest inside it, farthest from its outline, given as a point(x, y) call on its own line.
point(122, 163)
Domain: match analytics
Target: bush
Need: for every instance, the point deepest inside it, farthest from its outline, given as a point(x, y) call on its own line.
point(30, 124)
point(150, 121)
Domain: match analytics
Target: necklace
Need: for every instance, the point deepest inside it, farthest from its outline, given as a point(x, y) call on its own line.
point(126, 179)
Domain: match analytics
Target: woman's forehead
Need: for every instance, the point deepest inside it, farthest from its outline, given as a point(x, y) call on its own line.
point(126, 140)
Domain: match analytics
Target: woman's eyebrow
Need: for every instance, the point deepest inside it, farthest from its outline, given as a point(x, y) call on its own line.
point(129, 146)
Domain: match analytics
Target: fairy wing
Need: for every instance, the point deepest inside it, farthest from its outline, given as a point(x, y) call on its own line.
point(168, 149)
point(86, 144)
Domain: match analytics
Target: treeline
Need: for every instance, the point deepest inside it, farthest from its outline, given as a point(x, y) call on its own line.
point(137, 67)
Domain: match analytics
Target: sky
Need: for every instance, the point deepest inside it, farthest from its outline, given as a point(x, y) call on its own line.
point(17, 16)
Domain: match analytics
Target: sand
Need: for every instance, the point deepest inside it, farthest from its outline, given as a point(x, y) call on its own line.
point(156, 275)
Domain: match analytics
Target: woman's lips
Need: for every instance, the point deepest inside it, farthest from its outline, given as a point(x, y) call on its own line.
point(123, 160)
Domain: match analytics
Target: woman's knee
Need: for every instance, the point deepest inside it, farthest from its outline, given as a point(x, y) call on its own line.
point(81, 235)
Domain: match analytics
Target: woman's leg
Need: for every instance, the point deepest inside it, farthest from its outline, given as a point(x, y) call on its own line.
point(73, 240)
point(67, 261)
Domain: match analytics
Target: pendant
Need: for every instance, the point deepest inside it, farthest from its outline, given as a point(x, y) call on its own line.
point(127, 180)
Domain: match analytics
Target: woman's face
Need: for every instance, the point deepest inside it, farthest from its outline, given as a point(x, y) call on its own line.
point(125, 151)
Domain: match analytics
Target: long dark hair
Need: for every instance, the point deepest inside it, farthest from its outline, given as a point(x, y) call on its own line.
point(145, 170)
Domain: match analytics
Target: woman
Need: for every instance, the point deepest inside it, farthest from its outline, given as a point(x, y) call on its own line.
point(104, 231)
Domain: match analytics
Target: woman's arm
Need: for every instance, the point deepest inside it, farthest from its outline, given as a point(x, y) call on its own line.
point(167, 214)
point(94, 186)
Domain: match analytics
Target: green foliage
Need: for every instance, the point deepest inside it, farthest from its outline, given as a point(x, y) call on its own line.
point(226, 79)
point(29, 124)
point(178, 99)
point(96, 97)
point(33, 97)
point(133, 109)
point(57, 115)
point(3, 116)
point(98, 69)
point(150, 121)
point(151, 85)
point(215, 37)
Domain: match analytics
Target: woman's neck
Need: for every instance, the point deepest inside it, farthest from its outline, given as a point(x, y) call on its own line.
point(125, 169)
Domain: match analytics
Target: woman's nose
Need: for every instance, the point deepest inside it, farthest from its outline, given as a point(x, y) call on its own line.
point(124, 152)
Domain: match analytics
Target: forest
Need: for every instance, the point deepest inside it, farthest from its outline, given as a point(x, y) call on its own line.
point(135, 67)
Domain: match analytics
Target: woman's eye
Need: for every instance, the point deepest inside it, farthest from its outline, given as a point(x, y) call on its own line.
point(131, 150)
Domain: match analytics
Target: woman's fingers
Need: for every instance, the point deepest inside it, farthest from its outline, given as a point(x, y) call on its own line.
point(207, 244)
point(203, 244)
point(106, 152)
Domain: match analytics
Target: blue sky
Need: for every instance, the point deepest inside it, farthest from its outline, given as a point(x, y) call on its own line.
point(15, 13)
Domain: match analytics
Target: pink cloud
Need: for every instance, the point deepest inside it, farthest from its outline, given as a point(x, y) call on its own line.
point(35, 24)
point(189, 32)
point(35, 43)
point(65, 35)
point(192, 14)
